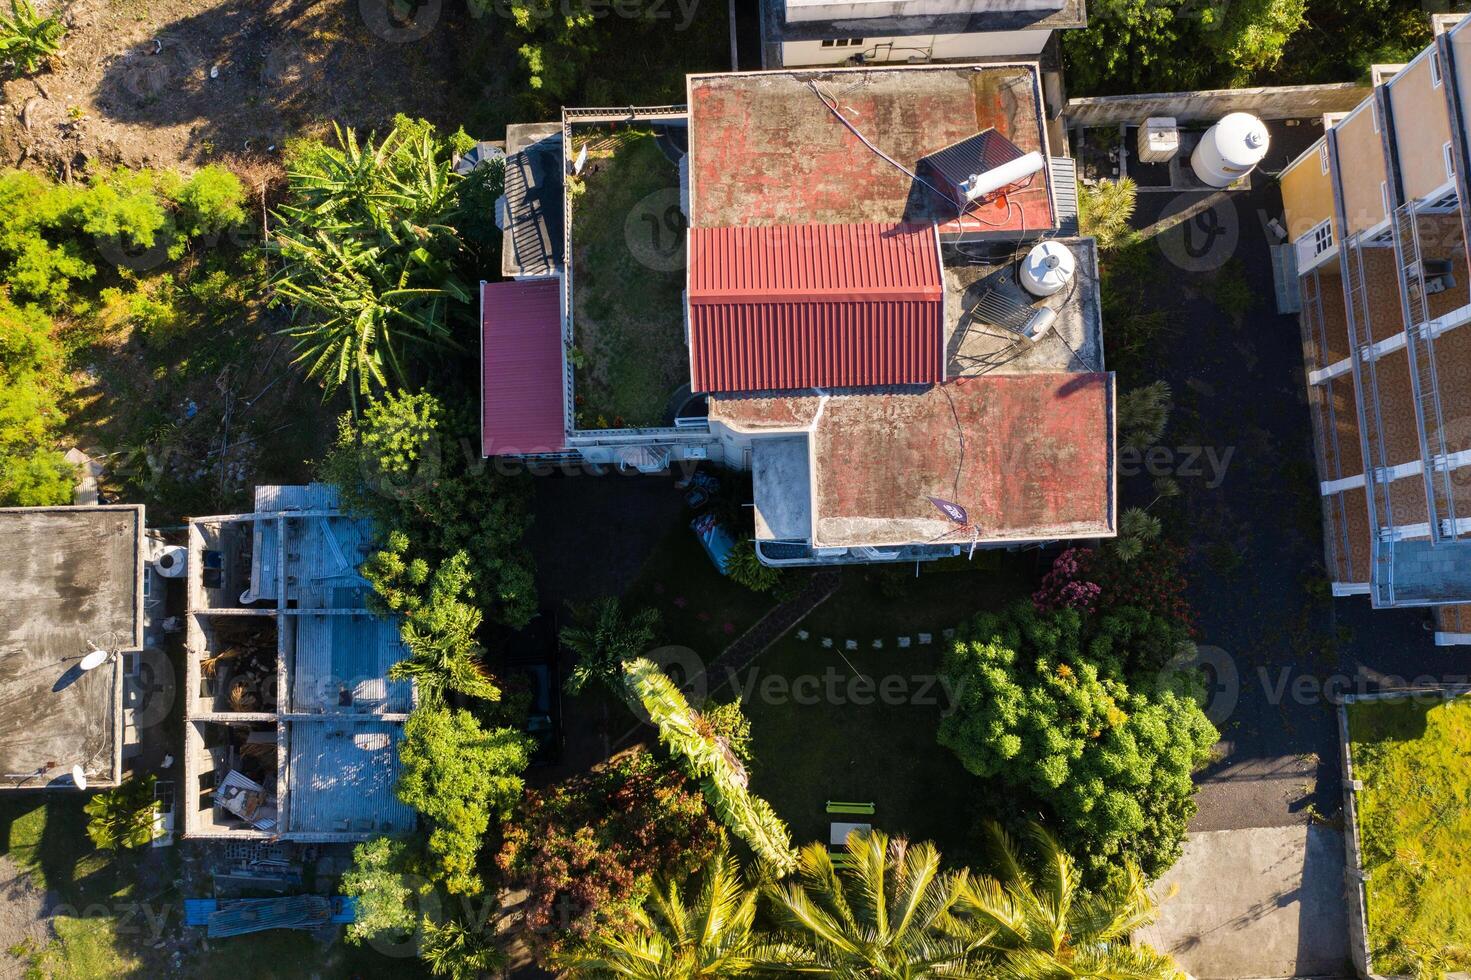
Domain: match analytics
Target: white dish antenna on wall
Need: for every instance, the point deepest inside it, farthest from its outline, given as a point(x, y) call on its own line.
point(79, 777)
point(96, 658)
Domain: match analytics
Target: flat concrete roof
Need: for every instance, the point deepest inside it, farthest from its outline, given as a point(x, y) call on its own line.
point(767, 148)
point(1029, 456)
point(776, 27)
point(781, 476)
point(975, 345)
point(69, 577)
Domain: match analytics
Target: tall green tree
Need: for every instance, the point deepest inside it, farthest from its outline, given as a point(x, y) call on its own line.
point(701, 931)
point(440, 621)
point(1172, 45)
point(707, 756)
point(604, 639)
point(461, 777)
point(1042, 923)
point(1045, 707)
point(887, 912)
point(404, 464)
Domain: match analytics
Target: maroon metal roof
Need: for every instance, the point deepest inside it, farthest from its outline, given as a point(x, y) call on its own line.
point(522, 409)
point(830, 306)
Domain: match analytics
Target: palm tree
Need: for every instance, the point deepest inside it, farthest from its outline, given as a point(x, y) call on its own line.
point(123, 817)
point(707, 755)
point(704, 933)
point(453, 949)
point(886, 913)
point(603, 640)
point(354, 309)
point(442, 661)
point(1042, 926)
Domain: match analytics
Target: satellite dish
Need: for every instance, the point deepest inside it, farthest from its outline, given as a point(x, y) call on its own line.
point(94, 660)
point(79, 777)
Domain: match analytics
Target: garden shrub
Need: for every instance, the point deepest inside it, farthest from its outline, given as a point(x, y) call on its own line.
point(210, 201)
point(598, 840)
point(1046, 709)
point(746, 569)
point(32, 381)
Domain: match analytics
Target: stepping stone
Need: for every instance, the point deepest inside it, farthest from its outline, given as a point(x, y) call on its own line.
point(878, 644)
point(850, 644)
point(827, 642)
point(925, 639)
point(803, 634)
point(903, 643)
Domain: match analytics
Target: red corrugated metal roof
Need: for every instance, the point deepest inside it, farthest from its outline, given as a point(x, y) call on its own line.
point(522, 406)
point(799, 306)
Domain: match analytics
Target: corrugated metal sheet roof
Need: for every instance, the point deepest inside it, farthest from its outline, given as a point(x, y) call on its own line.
point(521, 374)
point(814, 305)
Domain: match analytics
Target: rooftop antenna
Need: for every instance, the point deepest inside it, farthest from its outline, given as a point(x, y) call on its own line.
point(79, 777)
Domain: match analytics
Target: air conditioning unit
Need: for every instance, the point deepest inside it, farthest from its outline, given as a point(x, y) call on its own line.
point(1159, 140)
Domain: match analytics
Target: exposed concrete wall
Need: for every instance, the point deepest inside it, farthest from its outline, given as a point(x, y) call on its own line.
point(926, 47)
point(1284, 102)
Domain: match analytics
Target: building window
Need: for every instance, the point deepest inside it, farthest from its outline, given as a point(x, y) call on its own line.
point(1450, 162)
point(1322, 238)
point(1323, 159)
point(1384, 197)
point(1435, 68)
point(844, 42)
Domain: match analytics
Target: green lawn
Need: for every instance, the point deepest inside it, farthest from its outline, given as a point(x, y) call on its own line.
point(628, 281)
point(1415, 820)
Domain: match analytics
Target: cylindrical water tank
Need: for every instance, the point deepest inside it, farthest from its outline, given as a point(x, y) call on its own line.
point(1230, 149)
point(1048, 267)
point(171, 560)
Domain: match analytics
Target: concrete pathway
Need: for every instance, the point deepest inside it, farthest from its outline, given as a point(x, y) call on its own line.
point(1262, 902)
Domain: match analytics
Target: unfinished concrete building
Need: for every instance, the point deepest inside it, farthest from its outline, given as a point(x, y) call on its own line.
point(291, 722)
point(1377, 214)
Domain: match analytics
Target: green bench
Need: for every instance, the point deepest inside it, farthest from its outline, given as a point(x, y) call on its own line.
point(860, 808)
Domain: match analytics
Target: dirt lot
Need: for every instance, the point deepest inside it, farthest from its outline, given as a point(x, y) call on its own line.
point(180, 81)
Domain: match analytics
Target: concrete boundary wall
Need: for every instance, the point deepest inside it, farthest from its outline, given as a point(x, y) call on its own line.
point(1283, 102)
point(1354, 891)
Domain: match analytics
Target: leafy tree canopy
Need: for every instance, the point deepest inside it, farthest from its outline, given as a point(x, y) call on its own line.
point(460, 776)
point(123, 817)
point(587, 849)
point(1045, 707)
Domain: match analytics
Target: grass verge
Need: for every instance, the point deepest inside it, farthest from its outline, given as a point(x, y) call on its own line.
point(1415, 819)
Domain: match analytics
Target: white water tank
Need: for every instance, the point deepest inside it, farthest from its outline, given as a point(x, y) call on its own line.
point(1230, 149)
point(171, 560)
point(1048, 268)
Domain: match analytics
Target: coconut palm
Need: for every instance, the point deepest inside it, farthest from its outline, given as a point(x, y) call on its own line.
point(604, 639)
point(1041, 926)
point(887, 912)
point(123, 817)
point(690, 934)
point(707, 756)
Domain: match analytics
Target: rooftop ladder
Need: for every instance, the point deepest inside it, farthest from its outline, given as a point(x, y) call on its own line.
point(1426, 385)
